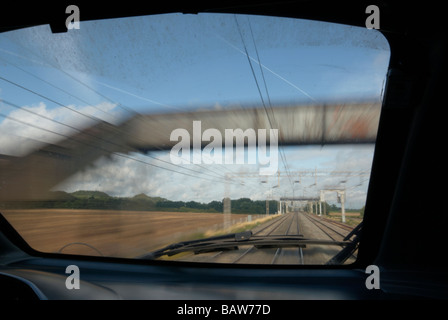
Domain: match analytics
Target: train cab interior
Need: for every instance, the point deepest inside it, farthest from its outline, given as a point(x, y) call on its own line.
point(404, 220)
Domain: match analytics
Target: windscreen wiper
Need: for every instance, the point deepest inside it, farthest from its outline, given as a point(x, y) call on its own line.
point(234, 240)
point(351, 247)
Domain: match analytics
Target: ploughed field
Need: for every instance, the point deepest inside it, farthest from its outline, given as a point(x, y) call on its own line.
point(125, 234)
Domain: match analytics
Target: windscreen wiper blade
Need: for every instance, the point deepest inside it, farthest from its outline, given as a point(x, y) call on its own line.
point(234, 240)
point(349, 250)
point(182, 246)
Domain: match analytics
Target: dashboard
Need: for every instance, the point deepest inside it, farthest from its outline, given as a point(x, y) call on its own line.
point(37, 278)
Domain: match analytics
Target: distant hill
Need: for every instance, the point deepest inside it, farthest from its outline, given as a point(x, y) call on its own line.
point(84, 194)
point(141, 196)
point(144, 197)
point(61, 196)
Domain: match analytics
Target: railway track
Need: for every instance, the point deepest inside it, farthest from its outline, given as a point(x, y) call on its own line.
point(334, 230)
point(285, 225)
point(288, 224)
point(295, 223)
point(290, 253)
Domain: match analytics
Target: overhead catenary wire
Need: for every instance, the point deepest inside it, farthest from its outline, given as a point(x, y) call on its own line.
point(268, 98)
point(121, 106)
point(57, 88)
point(282, 151)
point(101, 148)
point(90, 117)
point(259, 90)
point(73, 78)
point(39, 60)
point(118, 104)
point(79, 130)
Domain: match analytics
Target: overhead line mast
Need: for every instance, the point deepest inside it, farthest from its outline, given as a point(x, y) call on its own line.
point(341, 192)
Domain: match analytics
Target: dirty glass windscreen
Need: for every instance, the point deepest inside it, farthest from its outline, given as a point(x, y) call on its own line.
point(215, 138)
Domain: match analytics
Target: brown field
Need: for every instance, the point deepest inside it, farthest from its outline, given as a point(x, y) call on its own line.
point(347, 214)
point(112, 233)
point(352, 218)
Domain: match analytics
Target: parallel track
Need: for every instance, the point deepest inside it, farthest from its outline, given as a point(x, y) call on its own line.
point(334, 230)
point(287, 224)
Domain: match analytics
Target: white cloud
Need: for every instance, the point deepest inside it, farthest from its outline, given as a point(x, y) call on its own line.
point(29, 127)
point(132, 174)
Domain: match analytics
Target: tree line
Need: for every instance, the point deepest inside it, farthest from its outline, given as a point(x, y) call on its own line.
point(102, 201)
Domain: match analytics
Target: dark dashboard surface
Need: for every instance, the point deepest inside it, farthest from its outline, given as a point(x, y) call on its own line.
point(37, 278)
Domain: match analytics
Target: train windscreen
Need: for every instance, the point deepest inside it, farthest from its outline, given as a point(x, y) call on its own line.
point(218, 138)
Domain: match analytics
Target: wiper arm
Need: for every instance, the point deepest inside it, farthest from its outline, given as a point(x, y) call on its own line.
point(348, 251)
point(233, 240)
point(225, 241)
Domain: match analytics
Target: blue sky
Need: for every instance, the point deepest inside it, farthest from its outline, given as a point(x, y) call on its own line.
point(178, 62)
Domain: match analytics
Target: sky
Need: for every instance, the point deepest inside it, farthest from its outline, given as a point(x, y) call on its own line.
point(52, 85)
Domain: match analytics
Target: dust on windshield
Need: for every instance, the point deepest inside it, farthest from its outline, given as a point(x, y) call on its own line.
point(126, 136)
